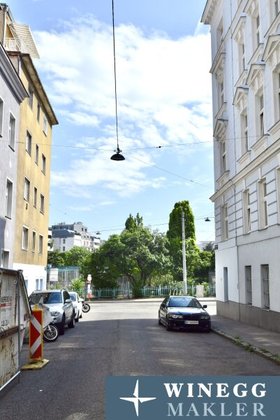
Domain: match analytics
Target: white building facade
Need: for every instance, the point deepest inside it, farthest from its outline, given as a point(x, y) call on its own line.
point(245, 42)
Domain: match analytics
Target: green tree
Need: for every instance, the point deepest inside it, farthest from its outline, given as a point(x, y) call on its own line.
point(174, 235)
point(133, 223)
point(56, 259)
point(76, 256)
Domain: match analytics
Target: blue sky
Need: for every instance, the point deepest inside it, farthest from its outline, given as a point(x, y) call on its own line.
point(163, 60)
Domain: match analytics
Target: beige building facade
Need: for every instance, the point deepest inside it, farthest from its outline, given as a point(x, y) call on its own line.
point(34, 156)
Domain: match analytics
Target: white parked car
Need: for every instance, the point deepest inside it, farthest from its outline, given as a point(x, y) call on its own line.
point(77, 303)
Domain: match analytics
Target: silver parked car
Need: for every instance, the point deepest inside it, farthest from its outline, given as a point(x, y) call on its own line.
point(78, 305)
point(60, 304)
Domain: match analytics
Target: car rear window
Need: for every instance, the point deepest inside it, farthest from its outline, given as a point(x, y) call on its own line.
point(52, 297)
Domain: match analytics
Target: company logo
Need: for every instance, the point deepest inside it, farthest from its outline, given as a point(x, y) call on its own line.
point(136, 400)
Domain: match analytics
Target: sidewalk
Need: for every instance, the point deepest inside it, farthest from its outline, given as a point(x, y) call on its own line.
point(261, 341)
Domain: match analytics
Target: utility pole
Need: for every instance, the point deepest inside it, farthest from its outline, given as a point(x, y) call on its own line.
point(185, 284)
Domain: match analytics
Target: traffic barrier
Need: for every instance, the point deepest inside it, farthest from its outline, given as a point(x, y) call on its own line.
point(36, 360)
point(36, 335)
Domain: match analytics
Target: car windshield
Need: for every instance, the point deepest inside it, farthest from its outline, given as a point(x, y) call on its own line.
point(51, 297)
point(184, 302)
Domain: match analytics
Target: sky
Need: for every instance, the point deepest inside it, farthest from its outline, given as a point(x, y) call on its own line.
point(164, 113)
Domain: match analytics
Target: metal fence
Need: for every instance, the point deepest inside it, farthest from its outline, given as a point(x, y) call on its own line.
point(149, 292)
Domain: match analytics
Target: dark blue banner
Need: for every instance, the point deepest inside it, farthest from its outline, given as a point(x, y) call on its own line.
point(193, 397)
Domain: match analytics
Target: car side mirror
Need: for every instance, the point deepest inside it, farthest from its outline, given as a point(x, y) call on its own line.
point(68, 300)
point(204, 306)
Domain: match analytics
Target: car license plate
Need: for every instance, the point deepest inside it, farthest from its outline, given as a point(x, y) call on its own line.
point(191, 322)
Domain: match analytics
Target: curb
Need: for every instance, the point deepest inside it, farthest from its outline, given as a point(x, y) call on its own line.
point(248, 346)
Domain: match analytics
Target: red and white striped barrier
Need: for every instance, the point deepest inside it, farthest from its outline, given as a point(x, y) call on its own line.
point(36, 335)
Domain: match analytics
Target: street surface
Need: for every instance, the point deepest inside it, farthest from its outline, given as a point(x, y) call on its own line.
point(118, 338)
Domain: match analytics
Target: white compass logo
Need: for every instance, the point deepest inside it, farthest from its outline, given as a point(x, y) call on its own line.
point(136, 400)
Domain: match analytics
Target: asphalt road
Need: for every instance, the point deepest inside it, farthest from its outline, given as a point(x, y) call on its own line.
point(118, 338)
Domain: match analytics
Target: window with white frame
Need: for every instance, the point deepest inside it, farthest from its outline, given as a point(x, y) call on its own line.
point(276, 85)
point(12, 131)
point(220, 34)
point(256, 30)
point(1, 116)
point(5, 257)
point(265, 286)
point(28, 143)
point(25, 232)
point(260, 114)
point(263, 213)
point(221, 93)
point(224, 222)
point(26, 191)
point(248, 282)
point(223, 155)
point(276, 8)
point(246, 211)
point(9, 198)
point(244, 132)
point(241, 48)
point(31, 96)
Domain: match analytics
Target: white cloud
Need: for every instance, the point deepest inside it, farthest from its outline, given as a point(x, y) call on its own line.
point(164, 98)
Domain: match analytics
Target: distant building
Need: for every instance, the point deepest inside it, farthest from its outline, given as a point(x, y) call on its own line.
point(245, 41)
point(66, 236)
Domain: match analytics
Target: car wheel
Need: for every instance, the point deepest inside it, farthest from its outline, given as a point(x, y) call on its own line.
point(72, 322)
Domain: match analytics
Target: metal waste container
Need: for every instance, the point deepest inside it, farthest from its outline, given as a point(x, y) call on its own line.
point(15, 314)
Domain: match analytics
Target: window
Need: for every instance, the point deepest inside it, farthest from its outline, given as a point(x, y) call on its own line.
point(276, 86)
point(28, 143)
point(265, 286)
point(9, 198)
point(26, 192)
point(40, 244)
point(223, 156)
point(241, 53)
point(220, 34)
point(244, 132)
point(35, 197)
point(1, 116)
point(261, 115)
point(221, 93)
point(37, 154)
point(42, 203)
point(248, 280)
point(24, 238)
point(45, 125)
point(263, 213)
point(276, 8)
point(31, 97)
point(38, 112)
point(224, 222)
point(12, 132)
point(43, 164)
point(5, 256)
point(257, 30)
point(246, 211)
point(33, 241)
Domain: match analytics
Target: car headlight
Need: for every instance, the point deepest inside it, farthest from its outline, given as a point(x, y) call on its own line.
point(175, 316)
point(55, 313)
point(204, 317)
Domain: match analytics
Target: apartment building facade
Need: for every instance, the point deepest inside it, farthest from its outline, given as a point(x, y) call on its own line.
point(33, 155)
point(12, 93)
point(65, 236)
point(245, 43)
